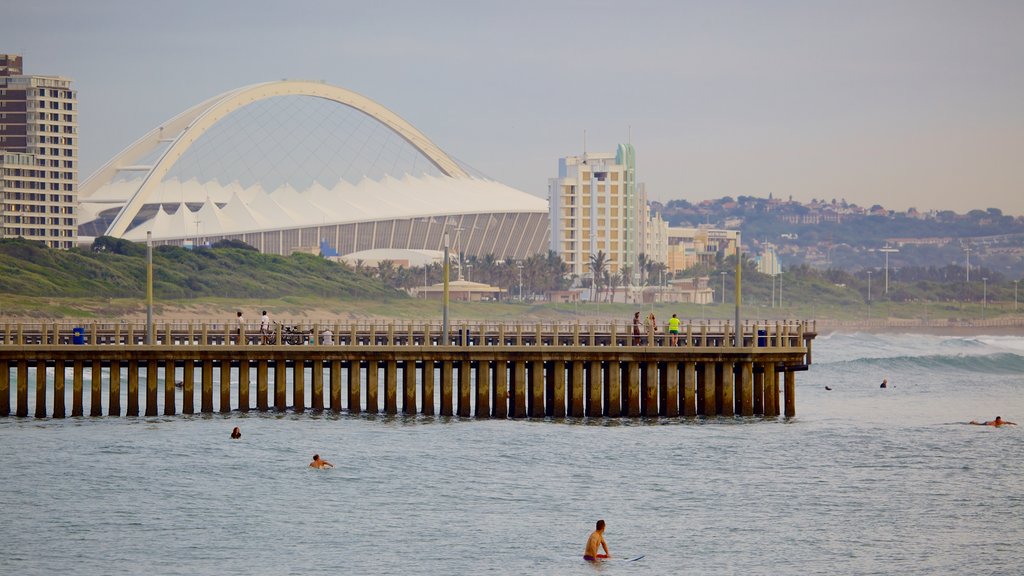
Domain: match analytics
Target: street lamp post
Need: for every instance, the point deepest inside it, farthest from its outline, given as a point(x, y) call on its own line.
point(469, 272)
point(869, 294)
point(887, 250)
point(1015, 295)
point(723, 287)
point(984, 296)
point(520, 266)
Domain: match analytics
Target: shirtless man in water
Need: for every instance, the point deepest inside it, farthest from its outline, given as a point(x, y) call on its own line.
point(319, 462)
point(596, 539)
point(997, 422)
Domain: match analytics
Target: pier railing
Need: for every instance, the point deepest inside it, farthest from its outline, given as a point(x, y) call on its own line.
point(485, 370)
point(699, 333)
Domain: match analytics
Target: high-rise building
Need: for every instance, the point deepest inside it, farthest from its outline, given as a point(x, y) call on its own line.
point(38, 156)
point(597, 206)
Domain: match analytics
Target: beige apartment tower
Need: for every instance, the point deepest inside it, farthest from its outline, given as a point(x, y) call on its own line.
point(596, 205)
point(38, 156)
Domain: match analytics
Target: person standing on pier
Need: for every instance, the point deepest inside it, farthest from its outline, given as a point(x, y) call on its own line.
point(673, 330)
point(264, 328)
point(637, 341)
point(651, 326)
point(241, 328)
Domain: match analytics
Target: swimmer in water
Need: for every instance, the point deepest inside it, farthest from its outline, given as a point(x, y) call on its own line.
point(236, 433)
point(884, 384)
point(596, 540)
point(997, 422)
point(319, 462)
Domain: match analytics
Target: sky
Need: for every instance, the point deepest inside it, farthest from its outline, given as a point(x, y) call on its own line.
point(908, 103)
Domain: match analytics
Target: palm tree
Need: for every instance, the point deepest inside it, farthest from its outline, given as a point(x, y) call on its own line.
point(612, 279)
point(642, 263)
point(598, 264)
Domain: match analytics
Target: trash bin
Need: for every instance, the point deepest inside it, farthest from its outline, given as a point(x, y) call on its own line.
point(762, 338)
point(78, 335)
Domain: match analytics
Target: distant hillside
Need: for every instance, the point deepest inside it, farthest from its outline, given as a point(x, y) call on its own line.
point(116, 268)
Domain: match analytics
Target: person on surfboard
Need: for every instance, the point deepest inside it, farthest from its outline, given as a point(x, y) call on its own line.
point(997, 422)
point(596, 540)
point(319, 462)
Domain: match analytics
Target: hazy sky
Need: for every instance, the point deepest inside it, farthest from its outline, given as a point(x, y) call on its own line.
point(897, 102)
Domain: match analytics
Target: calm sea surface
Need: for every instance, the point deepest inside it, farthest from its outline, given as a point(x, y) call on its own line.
point(862, 481)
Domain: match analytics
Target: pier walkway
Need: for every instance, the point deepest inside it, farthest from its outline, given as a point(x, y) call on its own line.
point(484, 370)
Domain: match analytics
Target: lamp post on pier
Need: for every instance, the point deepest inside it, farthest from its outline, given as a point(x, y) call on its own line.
point(723, 287)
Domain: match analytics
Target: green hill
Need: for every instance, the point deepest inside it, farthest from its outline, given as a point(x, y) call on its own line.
point(116, 269)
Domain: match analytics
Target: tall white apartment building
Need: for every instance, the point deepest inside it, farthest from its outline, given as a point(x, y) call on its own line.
point(38, 156)
point(594, 207)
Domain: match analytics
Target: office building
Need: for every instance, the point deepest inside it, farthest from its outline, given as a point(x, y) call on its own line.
point(38, 156)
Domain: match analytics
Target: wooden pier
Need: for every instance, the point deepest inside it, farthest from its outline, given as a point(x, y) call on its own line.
point(484, 370)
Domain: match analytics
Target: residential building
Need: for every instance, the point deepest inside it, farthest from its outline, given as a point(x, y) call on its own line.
point(688, 247)
point(38, 156)
point(596, 205)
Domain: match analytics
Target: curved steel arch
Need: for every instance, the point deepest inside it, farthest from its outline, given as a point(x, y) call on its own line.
point(188, 126)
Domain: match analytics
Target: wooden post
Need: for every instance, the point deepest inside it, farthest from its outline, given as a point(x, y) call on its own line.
point(537, 388)
point(790, 394)
point(632, 389)
point(151, 387)
point(206, 387)
point(262, 379)
point(169, 402)
point(355, 402)
point(670, 400)
point(594, 386)
point(613, 386)
point(427, 385)
point(446, 388)
point(689, 391)
point(518, 407)
point(335, 375)
point(576, 399)
point(280, 384)
point(409, 384)
point(391, 380)
point(372, 386)
point(188, 390)
point(650, 391)
point(113, 388)
point(225, 385)
point(133, 388)
point(299, 386)
point(746, 388)
point(59, 409)
point(709, 407)
point(40, 389)
point(556, 400)
point(727, 386)
point(499, 391)
point(759, 392)
point(96, 398)
point(243, 384)
point(769, 389)
point(465, 384)
point(5, 385)
point(483, 386)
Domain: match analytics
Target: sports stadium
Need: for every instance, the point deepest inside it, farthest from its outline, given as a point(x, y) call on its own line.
point(304, 166)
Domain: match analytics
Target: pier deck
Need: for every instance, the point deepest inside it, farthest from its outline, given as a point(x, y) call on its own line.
point(483, 370)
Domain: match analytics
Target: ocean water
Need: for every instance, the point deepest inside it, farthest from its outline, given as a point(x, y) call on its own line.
point(863, 481)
